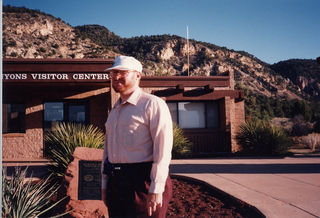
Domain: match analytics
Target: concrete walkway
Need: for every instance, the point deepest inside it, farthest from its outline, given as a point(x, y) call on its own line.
point(283, 187)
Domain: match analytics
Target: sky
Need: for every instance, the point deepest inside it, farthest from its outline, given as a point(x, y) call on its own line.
point(271, 30)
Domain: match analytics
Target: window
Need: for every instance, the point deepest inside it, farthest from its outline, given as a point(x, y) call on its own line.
point(195, 115)
point(66, 111)
point(53, 111)
point(14, 118)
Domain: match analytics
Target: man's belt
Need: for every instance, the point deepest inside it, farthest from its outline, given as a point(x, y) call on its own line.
point(131, 166)
point(109, 168)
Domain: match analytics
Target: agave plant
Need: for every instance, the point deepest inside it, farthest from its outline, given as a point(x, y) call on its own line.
point(181, 144)
point(24, 198)
point(262, 138)
point(64, 138)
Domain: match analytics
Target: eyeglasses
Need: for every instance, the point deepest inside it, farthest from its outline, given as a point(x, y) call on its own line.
point(117, 73)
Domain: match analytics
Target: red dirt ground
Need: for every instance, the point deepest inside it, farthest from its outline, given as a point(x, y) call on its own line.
point(194, 199)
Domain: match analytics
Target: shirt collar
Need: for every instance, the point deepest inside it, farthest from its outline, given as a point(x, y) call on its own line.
point(133, 99)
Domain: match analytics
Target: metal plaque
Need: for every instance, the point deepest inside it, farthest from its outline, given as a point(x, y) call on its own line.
point(89, 180)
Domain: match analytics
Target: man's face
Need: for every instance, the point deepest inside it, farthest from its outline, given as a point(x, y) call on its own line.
point(123, 81)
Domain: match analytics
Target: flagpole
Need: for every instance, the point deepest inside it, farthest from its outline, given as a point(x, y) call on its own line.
point(188, 49)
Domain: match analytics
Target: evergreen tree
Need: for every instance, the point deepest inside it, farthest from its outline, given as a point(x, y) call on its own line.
point(278, 112)
point(301, 107)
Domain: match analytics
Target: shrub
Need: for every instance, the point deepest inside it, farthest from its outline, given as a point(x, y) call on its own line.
point(181, 145)
point(56, 46)
point(64, 138)
point(316, 127)
point(312, 141)
point(300, 126)
point(14, 54)
point(42, 49)
point(23, 198)
point(262, 138)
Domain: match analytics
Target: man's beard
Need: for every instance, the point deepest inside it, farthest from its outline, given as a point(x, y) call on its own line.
point(118, 89)
point(122, 87)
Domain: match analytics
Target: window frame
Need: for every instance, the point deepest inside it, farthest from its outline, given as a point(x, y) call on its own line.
point(206, 102)
point(66, 109)
point(23, 126)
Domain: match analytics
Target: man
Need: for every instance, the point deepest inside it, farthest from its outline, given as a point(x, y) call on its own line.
point(137, 151)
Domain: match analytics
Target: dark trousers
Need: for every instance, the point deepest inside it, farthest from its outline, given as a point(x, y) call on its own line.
point(127, 190)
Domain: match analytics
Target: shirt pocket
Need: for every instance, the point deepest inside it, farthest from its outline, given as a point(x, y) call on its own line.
point(127, 134)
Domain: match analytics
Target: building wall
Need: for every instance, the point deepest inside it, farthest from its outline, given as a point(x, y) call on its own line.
point(31, 143)
point(99, 104)
point(99, 110)
point(217, 140)
point(237, 115)
point(237, 119)
point(101, 98)
point(26, 145)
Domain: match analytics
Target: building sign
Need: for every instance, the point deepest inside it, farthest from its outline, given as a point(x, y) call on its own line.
point(55, 77)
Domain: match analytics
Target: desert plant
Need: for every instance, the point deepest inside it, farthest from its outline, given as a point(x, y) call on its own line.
point(316, 127)
point(181, 144)
point(300, 126)
point(312, 141)
point(262, 138)
point(64, 138)
point(24, 198)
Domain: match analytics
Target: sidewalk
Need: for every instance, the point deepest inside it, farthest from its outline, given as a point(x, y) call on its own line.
point(280, 187)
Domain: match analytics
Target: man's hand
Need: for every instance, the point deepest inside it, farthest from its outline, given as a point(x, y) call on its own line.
point(104, 196)
point(153, 200)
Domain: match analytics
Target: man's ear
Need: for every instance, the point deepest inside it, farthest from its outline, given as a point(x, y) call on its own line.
point(139, 75)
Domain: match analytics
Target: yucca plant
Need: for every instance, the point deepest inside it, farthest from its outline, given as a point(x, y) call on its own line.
point(181, 144)
point(62, 140)
point(262, 138)
point(24, 198)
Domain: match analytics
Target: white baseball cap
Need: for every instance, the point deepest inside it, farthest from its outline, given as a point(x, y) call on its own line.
point(125, 63)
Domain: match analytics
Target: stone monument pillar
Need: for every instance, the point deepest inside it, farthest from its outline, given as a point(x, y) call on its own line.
point(82, 185)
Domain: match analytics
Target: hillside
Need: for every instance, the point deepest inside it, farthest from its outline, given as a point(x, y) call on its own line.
point(33, 34)
point(303, 73)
